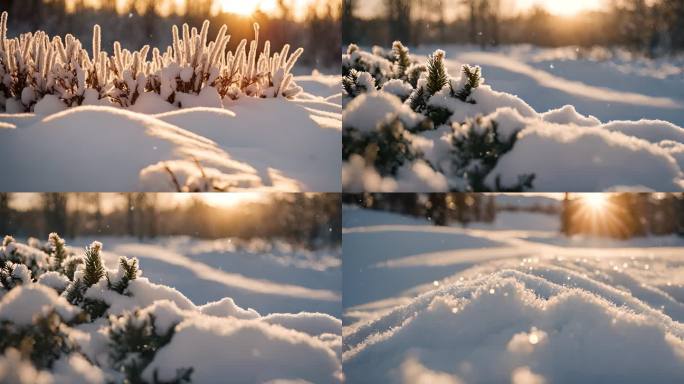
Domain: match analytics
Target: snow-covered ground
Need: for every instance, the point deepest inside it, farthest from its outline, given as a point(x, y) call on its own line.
point(204, 310)
point(268, 277)
point(610, 85)
point(573, 123)
point(508, 302)
point(249, 143)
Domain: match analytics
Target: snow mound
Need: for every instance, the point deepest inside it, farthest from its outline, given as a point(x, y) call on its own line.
point(294, 147)
point(369, 110)
point(587, 159)
point(404, 132)
point(96, 329)
point(568, 115)
point(547, 323)
point(247, 351)
point(25, 303)
point(227, 307)
point(311, 323)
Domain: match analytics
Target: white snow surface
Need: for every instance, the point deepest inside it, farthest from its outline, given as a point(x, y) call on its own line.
point(213, 144)
point(498, 303)
point(289, 338)
point(583, 124)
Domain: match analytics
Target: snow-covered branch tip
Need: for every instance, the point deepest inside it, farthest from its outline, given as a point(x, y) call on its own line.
point(34, 66)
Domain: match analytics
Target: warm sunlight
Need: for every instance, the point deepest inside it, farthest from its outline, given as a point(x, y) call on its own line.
point(595, 201)
point(221, 199)
point(247, 7)
point(600, 214)
point(562, 7)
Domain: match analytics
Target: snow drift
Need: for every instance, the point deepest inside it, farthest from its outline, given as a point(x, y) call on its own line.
point(484, 305)
point(196, 117)
point(99, 148)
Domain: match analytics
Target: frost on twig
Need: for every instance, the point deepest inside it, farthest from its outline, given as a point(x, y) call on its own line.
point(34, 65)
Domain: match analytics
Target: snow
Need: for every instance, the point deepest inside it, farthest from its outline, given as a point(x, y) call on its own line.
point(314, 324)
point(77, 370)
point(250, 351)
point(587, 159)
point(287, 340)
point(23, 303)
point(571, 134)
point(15, 370)
point(397, 88)
point(293, 147)
point(497, 303)
point(227, 307)
point(54, 280)
point(568, 115)
point(48, 105)
point(369, 110)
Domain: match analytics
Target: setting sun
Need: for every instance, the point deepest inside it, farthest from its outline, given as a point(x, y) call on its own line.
point(221, 199)
point(247, 7)
point(595, 201)
point(562, 7)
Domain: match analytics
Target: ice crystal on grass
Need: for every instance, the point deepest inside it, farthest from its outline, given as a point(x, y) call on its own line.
point(33, 66)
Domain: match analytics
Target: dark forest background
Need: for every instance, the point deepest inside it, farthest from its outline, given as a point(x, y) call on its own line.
point(138, 22)
point(307, 220)
point(650, 27)
point(625, 215)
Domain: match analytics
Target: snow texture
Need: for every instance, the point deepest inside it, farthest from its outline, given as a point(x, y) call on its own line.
point(625, 143)
point(453, 305)
point(227, 341)
point(293, 147)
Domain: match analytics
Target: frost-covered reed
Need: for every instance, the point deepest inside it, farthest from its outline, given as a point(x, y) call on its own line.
point(34, 65)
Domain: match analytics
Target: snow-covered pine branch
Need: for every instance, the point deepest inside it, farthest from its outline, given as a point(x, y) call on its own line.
point(391, 98)
point(33, 66)
point(99, 325)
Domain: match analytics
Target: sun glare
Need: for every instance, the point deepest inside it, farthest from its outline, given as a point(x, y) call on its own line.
point(595, 201)
point(221, 200)
point(562, 7)
point(248, 7)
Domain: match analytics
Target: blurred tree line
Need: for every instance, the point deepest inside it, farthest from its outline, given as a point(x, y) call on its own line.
point(440, 208)
point(651, 27)
point(625, 215)
point(308, 220)
point(138, 22)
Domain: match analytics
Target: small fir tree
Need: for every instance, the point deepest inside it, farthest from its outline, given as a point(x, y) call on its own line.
point(477, 148)
point(128, 268)
point(473, 77)
point(401, 59)
point(437, 76)
point(387, 147)
point(356, 83)
point(59, 253)
point(133, 342)
point(94, 271)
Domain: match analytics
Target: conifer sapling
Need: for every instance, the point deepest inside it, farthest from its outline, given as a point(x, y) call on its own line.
point(94, 270)
point(401, 58)
point(58, 253)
